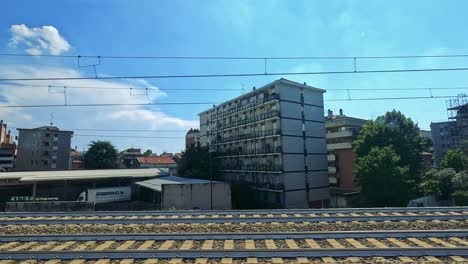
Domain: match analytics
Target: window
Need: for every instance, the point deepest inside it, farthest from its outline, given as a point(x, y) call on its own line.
point(32, 162)
point(45, 153)
point(55, 143)
point(46, 143)
point(45, 162)
point(55, 134)
point(47, 134)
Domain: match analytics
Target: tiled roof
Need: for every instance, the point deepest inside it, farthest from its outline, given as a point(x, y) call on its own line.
point(156, 160)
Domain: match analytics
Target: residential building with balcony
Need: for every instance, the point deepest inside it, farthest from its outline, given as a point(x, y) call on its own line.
point(272, 139)
point(340, 133)
point(43, 148)
point(192, 138)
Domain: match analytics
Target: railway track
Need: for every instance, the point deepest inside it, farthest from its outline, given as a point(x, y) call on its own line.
point(281, 247)
point(235, 218)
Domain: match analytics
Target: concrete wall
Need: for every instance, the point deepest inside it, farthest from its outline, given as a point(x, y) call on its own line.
point(197, 195)
point(47, 206)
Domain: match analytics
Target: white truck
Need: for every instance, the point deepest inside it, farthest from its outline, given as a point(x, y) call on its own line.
point(106, 195)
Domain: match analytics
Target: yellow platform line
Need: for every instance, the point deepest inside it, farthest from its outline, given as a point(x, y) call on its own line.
point(187, 245)
point(208, 244)
point(166, 245)
point(63, 246)
point(249, 244)
point(126, 245)
point(105, 245)
point(147, 244)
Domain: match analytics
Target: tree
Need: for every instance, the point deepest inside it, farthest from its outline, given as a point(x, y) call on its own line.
point(383, 179)
point(455, 159)
point(439, 183)
point(148, 153)
point(101, 155)
point(394, 129)
point(195, 163)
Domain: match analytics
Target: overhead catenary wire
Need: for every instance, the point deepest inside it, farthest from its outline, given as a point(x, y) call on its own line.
point(235, 57)
point(214, 103)
point(233, 74)
point(225, 89)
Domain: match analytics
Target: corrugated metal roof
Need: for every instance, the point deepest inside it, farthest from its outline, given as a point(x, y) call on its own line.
point(35, 176)
point(156, 184)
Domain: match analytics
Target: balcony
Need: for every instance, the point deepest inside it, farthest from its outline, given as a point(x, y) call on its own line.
point(247, 136)
point(239, 107)
point(340, 134)
point(10, 158)
point(331, 157)
point(244, 122)
point(331, 169)
point(252, 168)
point(249, 152)
point(335, 146)
point(333, 180)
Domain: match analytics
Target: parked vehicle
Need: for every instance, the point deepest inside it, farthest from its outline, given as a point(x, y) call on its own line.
point(105, 195)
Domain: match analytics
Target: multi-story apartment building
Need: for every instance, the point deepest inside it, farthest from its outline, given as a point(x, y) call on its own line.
point(341, 131)
point(192, 138)
point(442, 139)
point(273, 140)
point(7, 149)
point(43, 148)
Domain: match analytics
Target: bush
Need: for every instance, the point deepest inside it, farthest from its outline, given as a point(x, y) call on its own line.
point(460, 198)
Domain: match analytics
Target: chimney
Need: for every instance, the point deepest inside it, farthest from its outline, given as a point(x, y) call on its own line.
point(330, 113)
point(341, 112)
point(305, 83)
point(253, 89)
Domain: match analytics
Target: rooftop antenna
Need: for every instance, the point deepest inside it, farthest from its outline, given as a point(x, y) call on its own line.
point(243, 88)
point(51, 119)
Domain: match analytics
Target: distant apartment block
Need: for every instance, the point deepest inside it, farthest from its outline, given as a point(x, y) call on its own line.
point(76, 160)
point(43, 148)
point(341, 131)
point(7, 149)
point(451, 134)
point(129, 157)
point(273, 140)
point(192, 138)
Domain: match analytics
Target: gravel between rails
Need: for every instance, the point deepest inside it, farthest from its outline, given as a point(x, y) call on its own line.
point(242, 227)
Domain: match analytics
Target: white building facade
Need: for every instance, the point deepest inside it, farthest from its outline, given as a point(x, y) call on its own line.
point(272, 139)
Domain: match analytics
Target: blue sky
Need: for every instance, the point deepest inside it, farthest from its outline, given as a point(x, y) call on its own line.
point(224, 28)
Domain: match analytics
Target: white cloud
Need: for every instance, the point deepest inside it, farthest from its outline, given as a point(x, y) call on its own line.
point(38, 40)
point(138, 117)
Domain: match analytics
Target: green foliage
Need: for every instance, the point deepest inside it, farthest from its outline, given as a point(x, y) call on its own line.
point(383, 180)
point(455, 159)
point(195, 163)
point(460, 181)
point(148, 153)
point(438, 183)
point(393, 129)
point(101, 155)
point(460, 197)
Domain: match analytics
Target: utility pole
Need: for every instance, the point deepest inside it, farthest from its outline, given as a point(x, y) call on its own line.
point(211, 179)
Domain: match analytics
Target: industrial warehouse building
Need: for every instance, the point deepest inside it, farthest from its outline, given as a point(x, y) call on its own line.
point(272, 139)
point(173, 192)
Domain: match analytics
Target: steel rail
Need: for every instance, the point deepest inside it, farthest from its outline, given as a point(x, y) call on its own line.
point(237, 236)
point(250, 219)
point(236, 253)
point(245, 212)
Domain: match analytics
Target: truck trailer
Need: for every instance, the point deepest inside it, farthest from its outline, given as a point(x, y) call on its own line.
point(106, 195)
